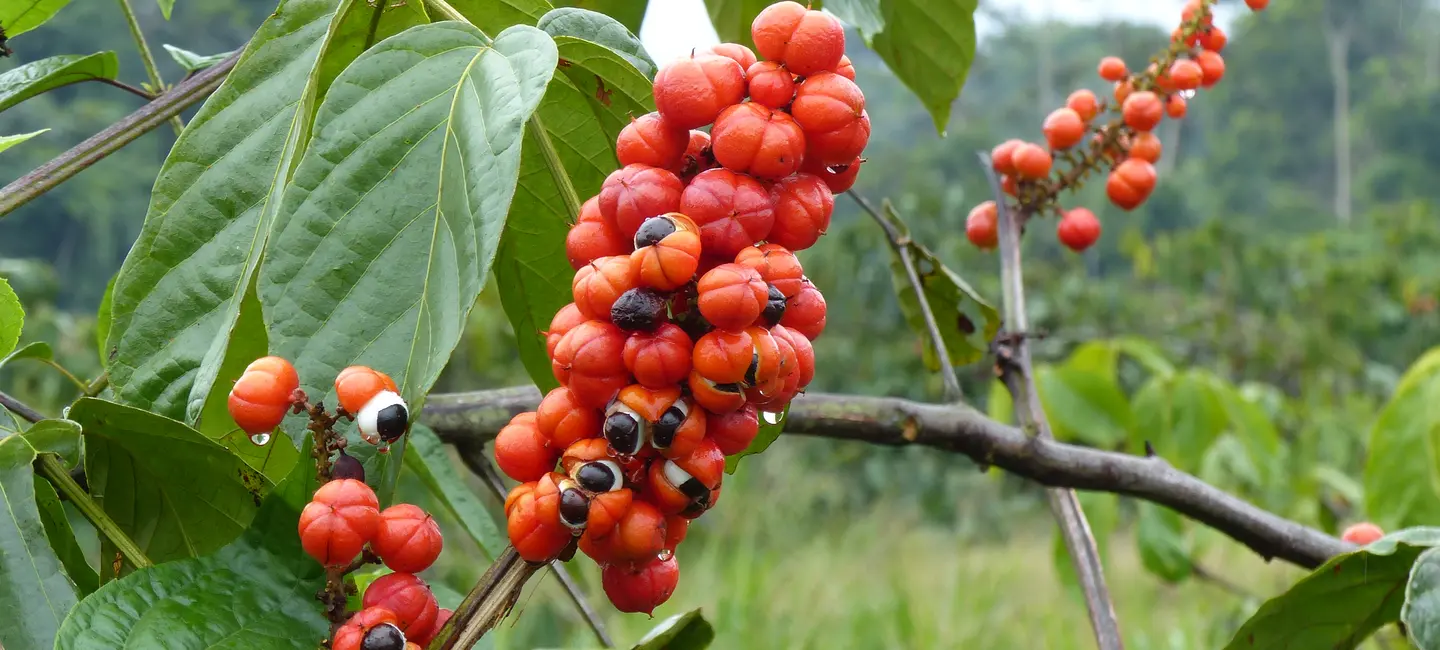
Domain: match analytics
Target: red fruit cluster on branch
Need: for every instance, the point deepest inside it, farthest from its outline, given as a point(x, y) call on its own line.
point(1035, 175)
point(692, 316)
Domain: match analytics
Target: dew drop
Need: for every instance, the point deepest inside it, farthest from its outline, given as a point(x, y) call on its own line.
point(770, 417)
point(383, 449)
point(665, 555)
point(260, 439)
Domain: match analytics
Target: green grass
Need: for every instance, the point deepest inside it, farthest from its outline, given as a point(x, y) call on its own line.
point(773, 567)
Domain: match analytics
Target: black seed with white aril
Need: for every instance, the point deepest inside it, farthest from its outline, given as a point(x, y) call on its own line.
point(574, 508)
point(392, 422)
point(599, 476)
point(653, 230)
point(384, 636)
point(663, 433)
point(774, 306)
point(623, 431)
point(638, 310)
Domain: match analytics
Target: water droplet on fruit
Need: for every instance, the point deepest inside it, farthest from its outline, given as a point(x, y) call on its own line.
point(260, 439)
point(769, 417)
point(383, 449)
point(665, 555)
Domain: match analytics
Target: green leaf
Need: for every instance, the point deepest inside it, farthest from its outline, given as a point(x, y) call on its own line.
point(62, 538)
point(771, 426)
point(601, 29)
point(583, 111)
point(59, 437)
point(687, 631)
point(1147, 354)
point(425, 456)
point(1421, 611)
point(628, 13)
point(732, 18)
point(1341, 603)
point(1085, 405)
point(102, 323)
point(928, 44)
point(8, 141)
point(1164, 548)
point(23, 82)
point(35, 593)
point(1402, 477)
point(191, 61)
point(176, 298)
point(257, 592)
point(34, 350)
point(967, 323)
point(493, 16)
point(1180, 416)
point(387, 233)
point(12, 318)
point(176, 493)
point(166, 6)
point(20, 16)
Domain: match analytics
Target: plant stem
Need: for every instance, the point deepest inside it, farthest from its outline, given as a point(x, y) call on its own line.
point(488, 603)
point(556, 166)
point(148, 59)
point(104, 143)
point(1016, 372)
point(446, 11)
point(98, 386)
point(54, 471)
point(20, 408)
point(79, 383)
point(126, 87)
point(901, 245)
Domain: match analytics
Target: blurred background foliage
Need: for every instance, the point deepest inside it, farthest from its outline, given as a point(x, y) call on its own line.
point(1247, 321)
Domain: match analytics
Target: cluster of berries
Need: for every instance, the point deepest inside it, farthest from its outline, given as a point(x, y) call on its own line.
point(662, 374)
point(335, 528)
point(1128, 146)
point(269, 388)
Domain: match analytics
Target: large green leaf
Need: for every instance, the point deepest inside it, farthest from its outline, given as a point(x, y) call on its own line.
point(20, 16)
point(426, 457)
point(62, 538)
point(258, 592)
point(493, 16)
point(1402, 469)
point(35, 593)
point(1341, 603)
point(59, 437)
point(928, 44)
point(23, 82)
point(600, 29)
point(1164, 548)
point(1421, 612)
point(628, 13)
point(1180, 416)
point(583, 111)
point(176, 493)
point(8, 141)
point(12, 318)
point(685, 631)
point(388, 230)
point(966, 322)
point(177, 296)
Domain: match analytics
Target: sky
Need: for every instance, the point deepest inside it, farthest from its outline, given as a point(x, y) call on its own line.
point(672, 27)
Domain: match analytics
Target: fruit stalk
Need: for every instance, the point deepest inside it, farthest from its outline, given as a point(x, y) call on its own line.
point(1016, 372)
point(488, 603)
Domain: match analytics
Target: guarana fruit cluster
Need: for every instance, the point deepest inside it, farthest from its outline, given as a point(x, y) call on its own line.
point(692, 317)
point(344, 519)
point(1126, 145)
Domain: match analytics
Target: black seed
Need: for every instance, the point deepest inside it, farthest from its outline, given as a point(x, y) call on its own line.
point(663, 434)
point(754, 368)
point(694, 489)
point(638, 310)
point(596, 477)
point(392, 421)
point(774, 306)
point(383, 637)
point(622, 431)
point(574, 508)
point(347, 467)
point(653, 230)
point(729, 388)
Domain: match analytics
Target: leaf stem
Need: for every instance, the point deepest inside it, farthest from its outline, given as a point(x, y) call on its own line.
point(98, 386)
point(79, 383)
point(1013, 361)
point(96, 147)
point(55, 472)
point(148, 59)
point(448, 12)
point(901, 245)
point(126, 87)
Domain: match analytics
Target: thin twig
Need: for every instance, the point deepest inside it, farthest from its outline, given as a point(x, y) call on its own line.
point(479, 463)
point(473, 418)
point(1019, 378)
point(1205, 575)
point(901, 245)
point(148, 59)
point(126, 87)
point(20, 408)
point(104, 143)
